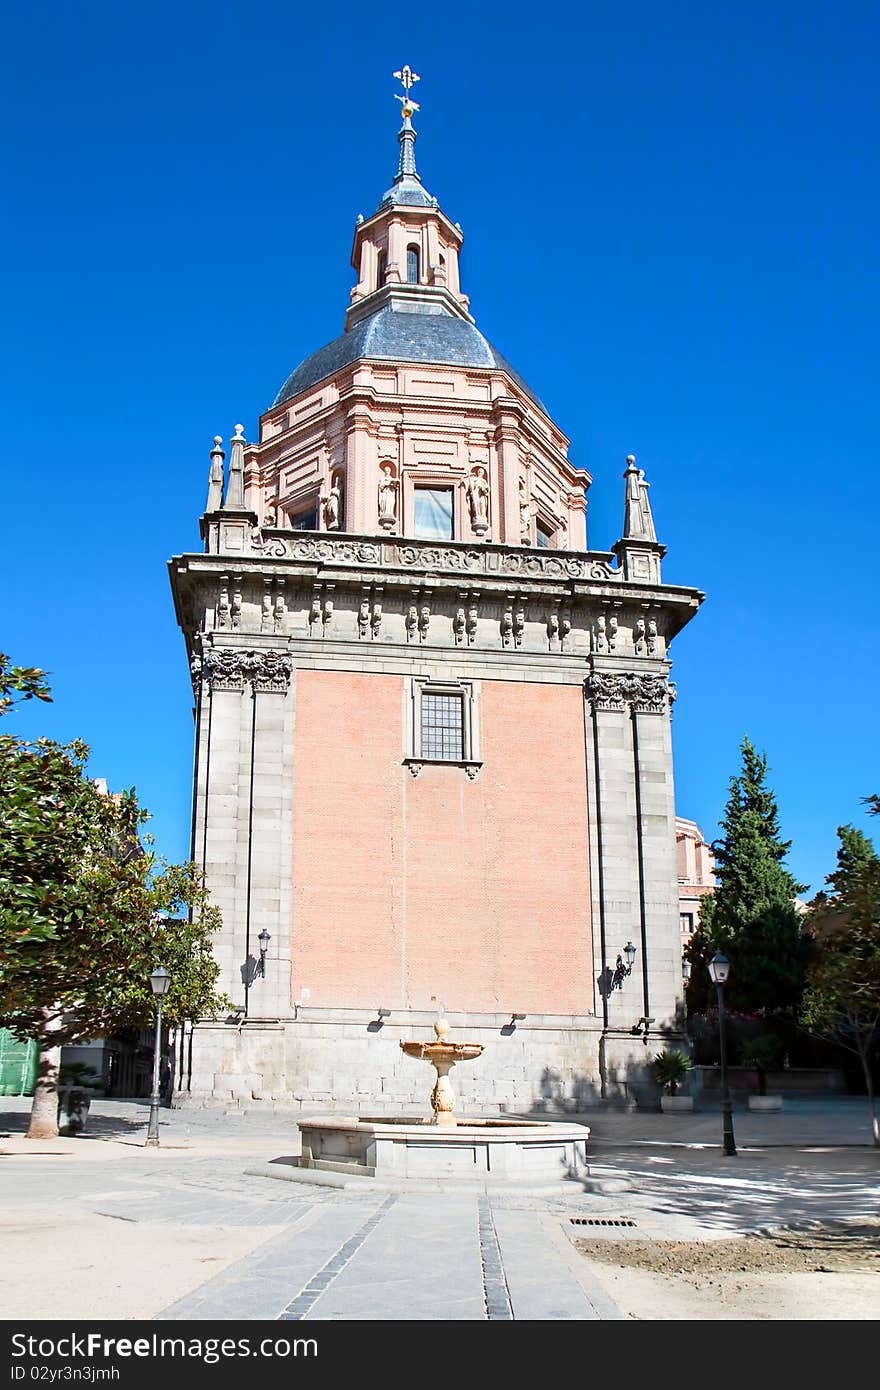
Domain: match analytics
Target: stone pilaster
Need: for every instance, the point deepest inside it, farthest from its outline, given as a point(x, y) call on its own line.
point(243, 814)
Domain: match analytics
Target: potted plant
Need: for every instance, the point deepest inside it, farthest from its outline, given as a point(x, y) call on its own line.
point(762, 1053)
point(670, 1068)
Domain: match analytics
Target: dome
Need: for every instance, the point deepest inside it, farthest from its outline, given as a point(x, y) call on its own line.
point(401, 336)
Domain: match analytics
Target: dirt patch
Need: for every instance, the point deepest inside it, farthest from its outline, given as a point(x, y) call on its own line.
point(823, 1249)
point(825, 1271)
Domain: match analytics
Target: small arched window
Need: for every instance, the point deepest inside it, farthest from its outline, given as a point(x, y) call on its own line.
point(412, 265)
point(381, 262)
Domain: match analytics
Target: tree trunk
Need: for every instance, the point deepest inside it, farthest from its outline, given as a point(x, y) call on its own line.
point(865, 1060)
point(44, 1111)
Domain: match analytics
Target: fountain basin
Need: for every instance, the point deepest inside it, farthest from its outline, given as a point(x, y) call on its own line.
point(474, 1153)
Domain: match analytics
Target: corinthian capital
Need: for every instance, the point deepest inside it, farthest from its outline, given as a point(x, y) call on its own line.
point(617, 691)
point(227, 668)
point(270, 671)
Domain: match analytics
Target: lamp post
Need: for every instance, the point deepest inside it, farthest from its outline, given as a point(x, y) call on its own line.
point(264, 938)
point(623, 968)
point(160, 983)
point(719, 969)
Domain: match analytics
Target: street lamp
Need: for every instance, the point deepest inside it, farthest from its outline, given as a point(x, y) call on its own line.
point(160, 983)
point(621, 970)
point(264, 938)
point(719, 969)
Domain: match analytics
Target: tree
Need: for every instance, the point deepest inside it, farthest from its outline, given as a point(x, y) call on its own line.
point(751, 915)
point(842, 999)
point(24, 682)
point(87, 911)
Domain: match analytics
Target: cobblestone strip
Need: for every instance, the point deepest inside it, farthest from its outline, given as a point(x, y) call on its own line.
point(495, 1291)
point(308, 1297)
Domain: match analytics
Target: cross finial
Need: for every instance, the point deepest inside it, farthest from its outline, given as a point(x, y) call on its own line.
point(406, 77)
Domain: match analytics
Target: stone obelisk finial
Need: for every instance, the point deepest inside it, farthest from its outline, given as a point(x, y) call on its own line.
point(215, 486)
point(638, 551)
point(406, 135)
point(235, 489)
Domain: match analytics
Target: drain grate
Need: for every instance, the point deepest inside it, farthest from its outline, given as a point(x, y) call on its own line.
point(600, 1221)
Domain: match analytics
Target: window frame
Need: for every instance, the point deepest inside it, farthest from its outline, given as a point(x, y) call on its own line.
point(423, 486)
point(312, 509)
point(415, 759)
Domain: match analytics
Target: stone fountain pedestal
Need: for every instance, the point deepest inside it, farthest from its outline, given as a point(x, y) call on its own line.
point(444, 1151)
point(473, 1153)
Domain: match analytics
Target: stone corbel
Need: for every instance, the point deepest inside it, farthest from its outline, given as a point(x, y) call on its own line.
point(519, 621)
point(222, 618)
point(507, 621)
point(267, 617)
point(280, 608)
point(376, 612)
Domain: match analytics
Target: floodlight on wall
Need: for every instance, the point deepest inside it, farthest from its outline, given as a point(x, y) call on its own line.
point(622, 967)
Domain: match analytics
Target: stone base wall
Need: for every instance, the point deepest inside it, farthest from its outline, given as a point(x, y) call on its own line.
point(347, 1061)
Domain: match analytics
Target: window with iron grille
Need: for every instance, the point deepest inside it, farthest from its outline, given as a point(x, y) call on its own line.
point(442, 726)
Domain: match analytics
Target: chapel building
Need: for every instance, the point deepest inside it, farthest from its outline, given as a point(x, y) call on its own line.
point(433, 760)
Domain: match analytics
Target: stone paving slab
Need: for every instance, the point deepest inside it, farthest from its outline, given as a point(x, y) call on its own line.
point(544, 1283)
point(263, 1284)
point(420, 1262)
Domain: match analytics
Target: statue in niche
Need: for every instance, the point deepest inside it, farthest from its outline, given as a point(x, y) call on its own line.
point(333, 507)
point(388, 486)
point(525, 513)
point(477, 489)
point(270, 517)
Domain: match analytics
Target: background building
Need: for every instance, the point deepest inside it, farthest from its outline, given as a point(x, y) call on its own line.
point(433, 755)
point(696, 875)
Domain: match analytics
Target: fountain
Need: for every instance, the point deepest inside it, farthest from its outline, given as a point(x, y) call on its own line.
point(443, 1152)
point(444, 1055)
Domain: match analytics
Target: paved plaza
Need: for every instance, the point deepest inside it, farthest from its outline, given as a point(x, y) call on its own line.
point(196, 1230)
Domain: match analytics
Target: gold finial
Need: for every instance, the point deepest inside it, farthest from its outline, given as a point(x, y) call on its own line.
point(407, 78)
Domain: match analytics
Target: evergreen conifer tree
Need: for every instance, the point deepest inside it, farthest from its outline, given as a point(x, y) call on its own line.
point(754, 900)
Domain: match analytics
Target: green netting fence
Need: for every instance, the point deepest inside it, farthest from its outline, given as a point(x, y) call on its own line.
point(18, 1064)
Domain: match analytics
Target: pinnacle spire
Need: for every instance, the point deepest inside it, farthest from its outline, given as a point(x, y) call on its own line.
point(406, 167)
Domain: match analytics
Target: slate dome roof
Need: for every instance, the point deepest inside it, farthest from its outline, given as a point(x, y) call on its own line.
point(394, 335)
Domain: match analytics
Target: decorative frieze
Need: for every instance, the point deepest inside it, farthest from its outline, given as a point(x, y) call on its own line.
point(228, 668)
point(646, 694)
point(449, 558)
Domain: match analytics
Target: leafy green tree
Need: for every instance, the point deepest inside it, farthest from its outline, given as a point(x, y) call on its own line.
point(87, 911)
point(842, 999)
point(20, 683)
point(751, 915)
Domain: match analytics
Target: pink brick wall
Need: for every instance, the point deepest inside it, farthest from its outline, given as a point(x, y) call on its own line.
point(476, 892)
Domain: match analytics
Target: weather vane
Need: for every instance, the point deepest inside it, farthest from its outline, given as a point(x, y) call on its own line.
point(407, 78)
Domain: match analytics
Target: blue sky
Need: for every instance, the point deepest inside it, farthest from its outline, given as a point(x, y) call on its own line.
point(687, 194)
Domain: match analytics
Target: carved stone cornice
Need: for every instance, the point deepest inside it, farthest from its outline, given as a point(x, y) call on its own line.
point(645, 694)
point(451, 557)
point(228, 668)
